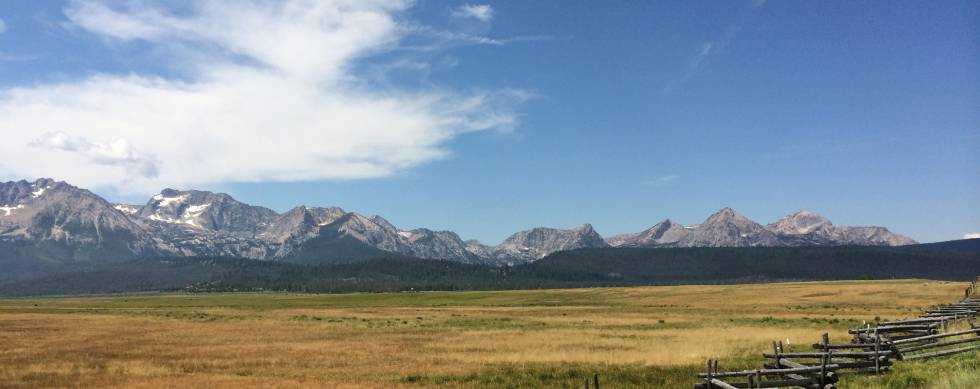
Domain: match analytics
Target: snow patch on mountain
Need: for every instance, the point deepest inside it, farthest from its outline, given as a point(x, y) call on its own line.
point(164, 219)
point(127, 209)
point(37, 193)
point(7, 210)
point(163, 201)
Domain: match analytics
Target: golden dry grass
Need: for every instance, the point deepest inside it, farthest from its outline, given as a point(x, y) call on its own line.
point(451, 339)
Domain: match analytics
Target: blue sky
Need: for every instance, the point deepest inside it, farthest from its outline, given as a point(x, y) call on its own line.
point(488, 118)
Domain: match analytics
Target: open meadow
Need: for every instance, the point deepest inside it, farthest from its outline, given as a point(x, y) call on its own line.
point(636, 337)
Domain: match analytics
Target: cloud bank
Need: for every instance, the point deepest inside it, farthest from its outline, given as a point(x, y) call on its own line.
point(269, 92)
point(971, 235)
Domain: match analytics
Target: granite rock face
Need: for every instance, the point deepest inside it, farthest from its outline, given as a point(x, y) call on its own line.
point(664, 233)
point(727, 228)
point(55, 212)
point(806, 228)
point(534, 244)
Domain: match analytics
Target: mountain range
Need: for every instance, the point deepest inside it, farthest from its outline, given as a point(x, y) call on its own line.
point(60, 222)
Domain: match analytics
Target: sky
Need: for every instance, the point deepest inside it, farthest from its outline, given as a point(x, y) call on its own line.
point(487, 118)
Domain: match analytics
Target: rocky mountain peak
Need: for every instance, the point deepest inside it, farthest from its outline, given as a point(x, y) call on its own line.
point(728, 228)
point(585, 229)
point(206, 210)
point(664, 233)
point(726, 215)
point(383, 223)
point(199, 223)
point(538, 242)
point(802, 222)
point(49, 210)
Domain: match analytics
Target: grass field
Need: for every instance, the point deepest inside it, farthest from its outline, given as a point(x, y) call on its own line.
point(642, 337)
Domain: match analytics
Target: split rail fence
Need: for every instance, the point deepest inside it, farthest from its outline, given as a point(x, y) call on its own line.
point(872, 350)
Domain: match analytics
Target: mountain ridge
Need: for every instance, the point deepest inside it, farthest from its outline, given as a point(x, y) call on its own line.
point(202, 223)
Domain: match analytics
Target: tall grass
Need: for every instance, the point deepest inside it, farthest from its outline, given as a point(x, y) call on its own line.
point(644, 337)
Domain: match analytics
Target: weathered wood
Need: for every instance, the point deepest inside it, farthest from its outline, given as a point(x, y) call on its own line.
point(891, 338)
point(842, 354)
point(916, 321)
point(936, 336)
point(709, 376)
point(941, 353)
point(962, 307)
point(795, 365)
point(953, 310)
point(722, 384)
point(863, 371)
point(877, 353)
point(843, 346)
point(808, 382)
point(871, 352)
point(940, 344)
point(840, 363)
point(770, 372)
point(895, 328)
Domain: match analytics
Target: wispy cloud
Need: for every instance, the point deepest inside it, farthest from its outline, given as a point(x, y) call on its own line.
point(662, 180)
point(971, 235)
point(430, 39)
point(3, 26)
point(482, 12)
point(708, 49)
point(269, 91)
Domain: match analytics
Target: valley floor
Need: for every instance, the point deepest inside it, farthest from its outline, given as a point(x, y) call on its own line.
point(638, 337)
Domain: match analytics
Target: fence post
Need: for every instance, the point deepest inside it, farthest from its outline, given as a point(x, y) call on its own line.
point(823, 371)
point(586, 384)
point(595, 380)
point(877, 351)
point(775, 352)
point(708, 379)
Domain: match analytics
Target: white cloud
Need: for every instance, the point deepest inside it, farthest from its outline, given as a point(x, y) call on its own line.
point(482, 12)
point(3, 26)
point(115, 153)
point(269, 92)
point(971, 235)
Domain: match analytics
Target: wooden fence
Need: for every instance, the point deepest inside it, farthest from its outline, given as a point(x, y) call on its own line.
point(872, 350)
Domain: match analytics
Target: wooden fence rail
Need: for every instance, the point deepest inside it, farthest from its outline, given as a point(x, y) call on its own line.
point(873, 350)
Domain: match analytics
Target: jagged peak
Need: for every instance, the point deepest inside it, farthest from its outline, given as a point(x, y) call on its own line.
point(169, 192)
point(804, 212)
point(663, 225)
point(667, 223)
point(800, 222)
point(725, 214)
point(45, 181)
point(377, 219)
